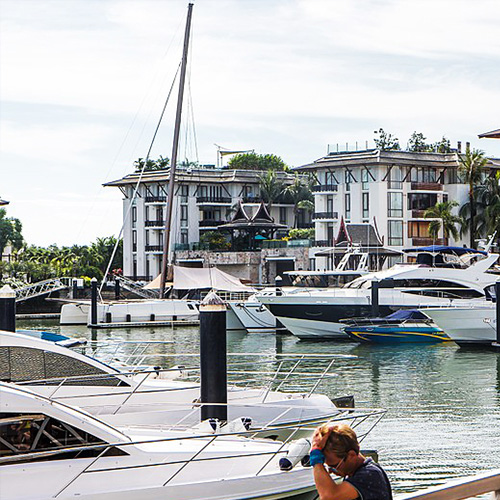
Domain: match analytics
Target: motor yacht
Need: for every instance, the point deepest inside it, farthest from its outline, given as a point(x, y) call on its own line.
point(440, 277)
point(149, 397)
point(50, 450)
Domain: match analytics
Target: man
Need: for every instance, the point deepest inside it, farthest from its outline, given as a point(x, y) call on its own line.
point(337, 447)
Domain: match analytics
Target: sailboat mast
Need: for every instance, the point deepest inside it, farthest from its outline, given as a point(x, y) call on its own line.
point(173, 161)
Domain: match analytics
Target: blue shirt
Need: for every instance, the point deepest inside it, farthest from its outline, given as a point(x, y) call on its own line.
point(371, 482)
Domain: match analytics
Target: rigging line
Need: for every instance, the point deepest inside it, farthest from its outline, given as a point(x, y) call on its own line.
point(138, 183)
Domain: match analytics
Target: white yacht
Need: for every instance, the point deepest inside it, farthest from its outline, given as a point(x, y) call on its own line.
point(124, 398)
point(441, 276)
point(49, 450)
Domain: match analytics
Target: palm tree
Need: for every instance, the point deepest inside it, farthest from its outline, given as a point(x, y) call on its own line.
point(270, 188)
point(470, 170)
point(300, 194)
point(442, 216)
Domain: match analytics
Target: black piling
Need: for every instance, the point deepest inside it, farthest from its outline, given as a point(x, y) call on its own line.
point(213, 362)
point(497, 303)
point(7, 309)
point(117, 289)
point(374, 300)
point(93, 302)
point(74, 291)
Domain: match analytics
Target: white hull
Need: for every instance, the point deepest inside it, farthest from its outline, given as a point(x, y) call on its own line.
point(252, 317)
point(314, 330)
point(466, 325)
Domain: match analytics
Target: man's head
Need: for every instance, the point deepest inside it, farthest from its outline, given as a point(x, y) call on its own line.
point(342, 449)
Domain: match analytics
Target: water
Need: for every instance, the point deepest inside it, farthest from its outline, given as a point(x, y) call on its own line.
point(442, 402)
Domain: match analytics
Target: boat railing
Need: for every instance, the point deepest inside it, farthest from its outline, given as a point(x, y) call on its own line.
point(469, 487)
point(194, 457)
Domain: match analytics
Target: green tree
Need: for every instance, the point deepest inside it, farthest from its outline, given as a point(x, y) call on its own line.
point(300, 194)
point(159, 164)
point(442, 216)
point(385, 141)
point(254, 161)
point(10, 232)
point(417, 143)
point(442, 146)
point(271, 188)
point(470, 170)
point(215, 240)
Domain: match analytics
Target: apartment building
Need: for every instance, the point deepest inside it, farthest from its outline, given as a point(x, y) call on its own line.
point(205, 198)
point(389, 189)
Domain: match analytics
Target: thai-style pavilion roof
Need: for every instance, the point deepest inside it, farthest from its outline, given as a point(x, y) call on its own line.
point(260, 220)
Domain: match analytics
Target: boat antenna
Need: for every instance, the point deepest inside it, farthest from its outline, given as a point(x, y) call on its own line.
point(171, 181)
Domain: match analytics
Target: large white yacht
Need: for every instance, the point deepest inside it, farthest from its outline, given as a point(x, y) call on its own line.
point(49, 450)
point(441, 276)
point(124, 398)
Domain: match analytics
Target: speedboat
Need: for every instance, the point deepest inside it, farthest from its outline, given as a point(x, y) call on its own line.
point(68, 376)
point(450, 276)
point(49, 450)
point(403, 326)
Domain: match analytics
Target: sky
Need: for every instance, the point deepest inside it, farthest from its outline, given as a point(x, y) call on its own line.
point(83, 84)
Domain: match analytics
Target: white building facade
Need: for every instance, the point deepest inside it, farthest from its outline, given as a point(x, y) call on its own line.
point(205, 198)
point(390, 189)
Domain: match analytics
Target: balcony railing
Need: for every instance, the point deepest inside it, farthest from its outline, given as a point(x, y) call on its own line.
point(213, 199)
point(154, 223)
point(323, 243)
point(426, 186)
point(326, 215)
point(211, 223)
point(323, 188)
point(418, 214)
point(156, 199)
point(305, 225)
point(423, 242)
point(154, 248)
point(251, 199)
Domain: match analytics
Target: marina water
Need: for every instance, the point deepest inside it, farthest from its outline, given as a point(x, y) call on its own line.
point(442, 402)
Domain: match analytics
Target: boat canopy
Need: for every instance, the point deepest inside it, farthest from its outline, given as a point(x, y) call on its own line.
point(407, 314)
point(443, 249)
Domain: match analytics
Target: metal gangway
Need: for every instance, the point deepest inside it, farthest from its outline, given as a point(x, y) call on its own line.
point(25, 292)
point(137, 288)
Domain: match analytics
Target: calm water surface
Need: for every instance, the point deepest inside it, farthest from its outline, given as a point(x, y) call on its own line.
point(442, 402)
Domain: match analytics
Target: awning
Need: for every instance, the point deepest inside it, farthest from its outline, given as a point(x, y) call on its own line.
point(272, 257)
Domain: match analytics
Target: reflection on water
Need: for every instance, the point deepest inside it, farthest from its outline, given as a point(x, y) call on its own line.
point(443, 402)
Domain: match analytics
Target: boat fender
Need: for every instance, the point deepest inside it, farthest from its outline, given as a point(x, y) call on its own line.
point(241, 424)
point(209, 426)
point(296, 452)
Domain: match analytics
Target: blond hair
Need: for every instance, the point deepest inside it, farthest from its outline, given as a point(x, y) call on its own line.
point(342, 439)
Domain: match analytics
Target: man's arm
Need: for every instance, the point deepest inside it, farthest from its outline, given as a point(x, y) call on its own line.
point(328, 489)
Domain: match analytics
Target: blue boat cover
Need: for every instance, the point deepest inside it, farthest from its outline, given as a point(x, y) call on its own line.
point(407, 314)
point(444, 249)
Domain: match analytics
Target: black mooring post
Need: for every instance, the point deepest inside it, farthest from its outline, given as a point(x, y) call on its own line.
point(117, 289)
point(375, 302)
point(497, 302)
point(213, 354)
point(7, 309)
point(93, 302)
point(74, 293)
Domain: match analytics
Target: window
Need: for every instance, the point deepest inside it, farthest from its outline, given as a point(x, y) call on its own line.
point(31, 433)
point(134, 241)
point(395, 204)
point(184, 215)
point(159, 214)
point(366, 178)
point(283, 215)
point(348, 207)
point(395, 177)
point(330, 235)
point(134, 216)
point(329, 204)
point(147, 237)
point(395, 230)
point(184, 237)
point(419, 229)
point(347, 180)
point(312, 264)
point(184, 193)
point(421, 201)
point(366, 205)
point(424, 175)
point(147, 212)
point(330, 179)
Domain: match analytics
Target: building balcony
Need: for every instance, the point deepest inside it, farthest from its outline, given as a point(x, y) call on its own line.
point(210, 223)
point(305, 225)
point(325, 216)
point(154, 248)
point(325, 188)
point(160, 224)
point(156, 199)
point(214, 200)
point(418, 214)
point(251, 199)
point(426, 186)
point(423, 242)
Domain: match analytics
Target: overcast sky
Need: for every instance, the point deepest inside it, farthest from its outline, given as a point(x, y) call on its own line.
point(83, 82)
